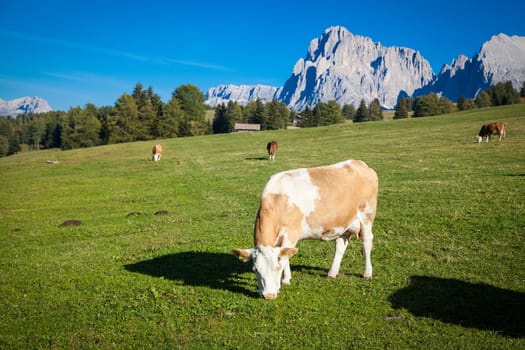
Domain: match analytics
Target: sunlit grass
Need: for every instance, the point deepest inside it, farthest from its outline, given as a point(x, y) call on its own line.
point(448, 252)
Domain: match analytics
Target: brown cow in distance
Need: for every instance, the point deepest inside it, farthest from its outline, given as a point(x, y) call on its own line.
point(156, 153)
point(272, 147)
point(487, 130)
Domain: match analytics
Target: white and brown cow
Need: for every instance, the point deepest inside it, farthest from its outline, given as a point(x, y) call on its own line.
point(487, 130)
point(326, 203)
point(272, 148)
point(156, 152)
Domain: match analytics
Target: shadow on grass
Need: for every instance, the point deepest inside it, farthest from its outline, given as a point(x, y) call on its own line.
point(465, 304)
point(311, 270)
point(212, 270)
point(256, 158)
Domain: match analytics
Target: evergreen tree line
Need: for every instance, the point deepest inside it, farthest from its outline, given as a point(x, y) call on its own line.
point(502, 93)
point(271, 115)
point(143, 116)
point(332, 113)
point(136, 117)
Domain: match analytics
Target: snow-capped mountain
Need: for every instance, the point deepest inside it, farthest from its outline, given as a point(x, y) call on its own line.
point(500, 59)
point(23, 105)
point(242, 94)
point(347, 68)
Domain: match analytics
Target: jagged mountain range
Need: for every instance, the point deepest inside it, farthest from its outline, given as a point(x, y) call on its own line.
point(347, 68)
point(23, 105)
point(242, 94)
point(500, 59)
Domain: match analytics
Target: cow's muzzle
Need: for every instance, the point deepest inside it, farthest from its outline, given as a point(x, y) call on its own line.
point(270, 296)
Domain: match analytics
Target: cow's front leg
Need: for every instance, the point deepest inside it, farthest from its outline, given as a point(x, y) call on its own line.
point(340, 246)
point(287, 273)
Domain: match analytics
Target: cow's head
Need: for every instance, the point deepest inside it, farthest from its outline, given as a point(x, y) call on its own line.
point(268, 265)
point(479, 138)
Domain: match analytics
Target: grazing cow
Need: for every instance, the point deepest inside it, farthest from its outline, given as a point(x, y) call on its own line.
point(157, 153)
point(326, 203)
point(272, 148)
point(497, 128)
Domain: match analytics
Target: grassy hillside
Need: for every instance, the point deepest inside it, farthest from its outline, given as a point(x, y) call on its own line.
point(449, 248)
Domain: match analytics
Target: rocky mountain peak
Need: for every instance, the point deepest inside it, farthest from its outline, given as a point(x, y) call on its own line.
point(23, 105)
point(348, 68)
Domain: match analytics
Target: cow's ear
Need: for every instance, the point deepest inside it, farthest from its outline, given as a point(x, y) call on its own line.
point(287, 252)
point(243, 254)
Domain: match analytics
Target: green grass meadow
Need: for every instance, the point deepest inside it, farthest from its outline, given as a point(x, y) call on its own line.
point(449, 247)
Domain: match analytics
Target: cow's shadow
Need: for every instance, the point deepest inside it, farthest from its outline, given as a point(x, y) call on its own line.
point(213, 270)
point(256, 158)
point(466, 304)
point(307, 269)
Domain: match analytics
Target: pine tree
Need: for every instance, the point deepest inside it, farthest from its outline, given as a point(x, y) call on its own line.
point(306, 118)
point(276, 115)
point(483, 100)
point(221, 123)
point(145, 112)
point(445, 106)
point(461, 103)
point(256, 114)
point(402, 110)
point(156, 107)
point(427, 105)
point(191, 101)
point(362, 114)
point(333, 113)
point(168, 121)
point(123, 123)
point(503, 93)
point(318, 114)
point(348, 111)
point(235, 114)
point(376, 113)
point(464, 104)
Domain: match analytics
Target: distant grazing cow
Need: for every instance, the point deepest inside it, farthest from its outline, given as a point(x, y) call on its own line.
point(326, 203)
point(272, 148)
point(157, 153)
point(490, 129)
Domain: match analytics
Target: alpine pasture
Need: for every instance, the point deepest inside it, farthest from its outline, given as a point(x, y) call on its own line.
point(448, 257)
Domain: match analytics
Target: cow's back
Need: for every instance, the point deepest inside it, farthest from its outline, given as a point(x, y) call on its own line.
point(307, 202)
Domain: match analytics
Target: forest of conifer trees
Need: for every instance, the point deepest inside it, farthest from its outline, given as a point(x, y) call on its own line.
point(142, 115)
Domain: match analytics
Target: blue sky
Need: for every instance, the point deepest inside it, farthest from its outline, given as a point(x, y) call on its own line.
point(76, 52)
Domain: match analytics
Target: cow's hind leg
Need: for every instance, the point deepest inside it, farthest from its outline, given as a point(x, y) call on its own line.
point(367, 236)
point(340, 247)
